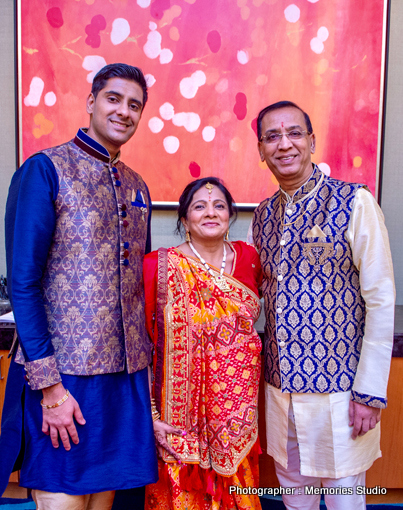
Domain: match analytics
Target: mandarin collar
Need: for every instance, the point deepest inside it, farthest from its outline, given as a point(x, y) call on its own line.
point(306, 188)
point(94, 148)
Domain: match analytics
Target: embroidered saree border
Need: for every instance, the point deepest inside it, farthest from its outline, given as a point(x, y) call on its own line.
point(162, 275)
point(211, 445)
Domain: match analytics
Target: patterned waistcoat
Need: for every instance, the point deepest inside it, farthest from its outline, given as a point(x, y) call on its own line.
point(314, 309)
point(93, 286)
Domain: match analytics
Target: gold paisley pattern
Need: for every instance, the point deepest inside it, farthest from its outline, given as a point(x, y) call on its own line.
point(94, 304)
point(42, 373)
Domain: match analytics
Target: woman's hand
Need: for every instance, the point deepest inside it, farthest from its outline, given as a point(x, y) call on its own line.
point(161, 429)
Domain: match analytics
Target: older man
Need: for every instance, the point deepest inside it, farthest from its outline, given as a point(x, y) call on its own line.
point(329, 303)
point(77, 228)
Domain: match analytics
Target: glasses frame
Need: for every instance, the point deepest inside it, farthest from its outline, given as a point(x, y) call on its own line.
point(264, 137)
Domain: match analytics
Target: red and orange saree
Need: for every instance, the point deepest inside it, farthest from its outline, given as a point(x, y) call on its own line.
point(207, 368)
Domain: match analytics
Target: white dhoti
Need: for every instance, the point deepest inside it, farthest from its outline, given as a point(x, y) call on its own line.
point(310, 440)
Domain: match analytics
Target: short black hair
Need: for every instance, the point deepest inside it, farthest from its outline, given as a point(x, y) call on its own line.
point(278, 106)
point(124, 71)
point(187, 197)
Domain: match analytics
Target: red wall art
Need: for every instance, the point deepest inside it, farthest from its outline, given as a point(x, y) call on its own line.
point(211, 65)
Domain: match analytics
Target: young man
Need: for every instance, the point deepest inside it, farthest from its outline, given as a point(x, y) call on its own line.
point(329, 302)
point(77, 229)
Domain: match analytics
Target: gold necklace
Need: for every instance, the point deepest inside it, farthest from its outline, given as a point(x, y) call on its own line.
point(305, 210)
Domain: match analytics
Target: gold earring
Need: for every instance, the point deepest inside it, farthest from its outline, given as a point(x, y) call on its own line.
point(187, 236)
point(226, 237)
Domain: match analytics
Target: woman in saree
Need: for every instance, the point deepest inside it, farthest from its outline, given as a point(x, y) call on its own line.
point(201, 304)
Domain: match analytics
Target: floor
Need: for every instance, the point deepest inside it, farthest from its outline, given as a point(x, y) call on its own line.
point(392, 496)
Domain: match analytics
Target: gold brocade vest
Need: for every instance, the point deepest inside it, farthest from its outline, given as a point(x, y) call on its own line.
point(313, 305)
point(93, 286)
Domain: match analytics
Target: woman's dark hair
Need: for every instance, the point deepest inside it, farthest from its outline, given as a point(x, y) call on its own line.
point(187, 197)
point(278, 106)
point(124, 71)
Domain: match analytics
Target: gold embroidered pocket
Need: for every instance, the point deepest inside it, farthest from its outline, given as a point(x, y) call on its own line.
point(318, 250)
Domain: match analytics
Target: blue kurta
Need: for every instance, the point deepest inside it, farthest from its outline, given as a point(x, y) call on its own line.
point(116, 449)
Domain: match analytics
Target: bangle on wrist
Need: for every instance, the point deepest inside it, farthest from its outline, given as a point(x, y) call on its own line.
point(58, 403)
point(154, 413)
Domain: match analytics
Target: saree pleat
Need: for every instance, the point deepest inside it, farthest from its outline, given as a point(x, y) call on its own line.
point(179, 488)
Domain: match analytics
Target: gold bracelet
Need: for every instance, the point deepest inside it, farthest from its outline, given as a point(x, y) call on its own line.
point(154, 413)
point(156, 416)
point(58, 403)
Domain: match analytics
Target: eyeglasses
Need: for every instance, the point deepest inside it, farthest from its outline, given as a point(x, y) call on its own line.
point(276, 137)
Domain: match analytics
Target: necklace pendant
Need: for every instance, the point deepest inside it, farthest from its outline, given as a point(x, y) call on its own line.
point(222, 284)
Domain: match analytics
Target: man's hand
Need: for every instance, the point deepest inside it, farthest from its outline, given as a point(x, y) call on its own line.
point(60, 420)
point(362, 418)
point(161, 429)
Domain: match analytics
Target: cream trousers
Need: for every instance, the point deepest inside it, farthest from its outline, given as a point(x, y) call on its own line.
point(302, 499)
point(60, 501)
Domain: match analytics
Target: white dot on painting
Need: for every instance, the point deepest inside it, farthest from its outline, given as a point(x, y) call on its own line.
point(152, 25)
point(93, 63)
point(292, 13)
point(313, 1)
point(167, 111)
point(189, 86)
point(166, 56)
point(317, 45)
point(323, 34)
point(243, 57)
point(190, 121)
point(144, 3)
point(171, 144)
point(152, 47)
point(199, 78)
point(35, 92)
point(325, 168)
point(222, 86)
point(150, 80)
point(208, 133)
point(155, 124)
point(50, 99)
point(120, 31)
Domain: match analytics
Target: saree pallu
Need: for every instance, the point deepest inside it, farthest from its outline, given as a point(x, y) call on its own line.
point(207, 371)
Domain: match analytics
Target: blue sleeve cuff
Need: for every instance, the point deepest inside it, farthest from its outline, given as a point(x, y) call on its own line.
point(368, 400)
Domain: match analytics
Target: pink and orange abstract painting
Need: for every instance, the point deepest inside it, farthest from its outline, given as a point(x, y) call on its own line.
point(211, 66)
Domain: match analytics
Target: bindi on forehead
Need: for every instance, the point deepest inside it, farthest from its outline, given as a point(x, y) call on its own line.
point(282, 124)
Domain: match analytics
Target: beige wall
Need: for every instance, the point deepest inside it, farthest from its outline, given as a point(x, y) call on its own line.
point(164, 222)
point(392, 184)
point(7, 124)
